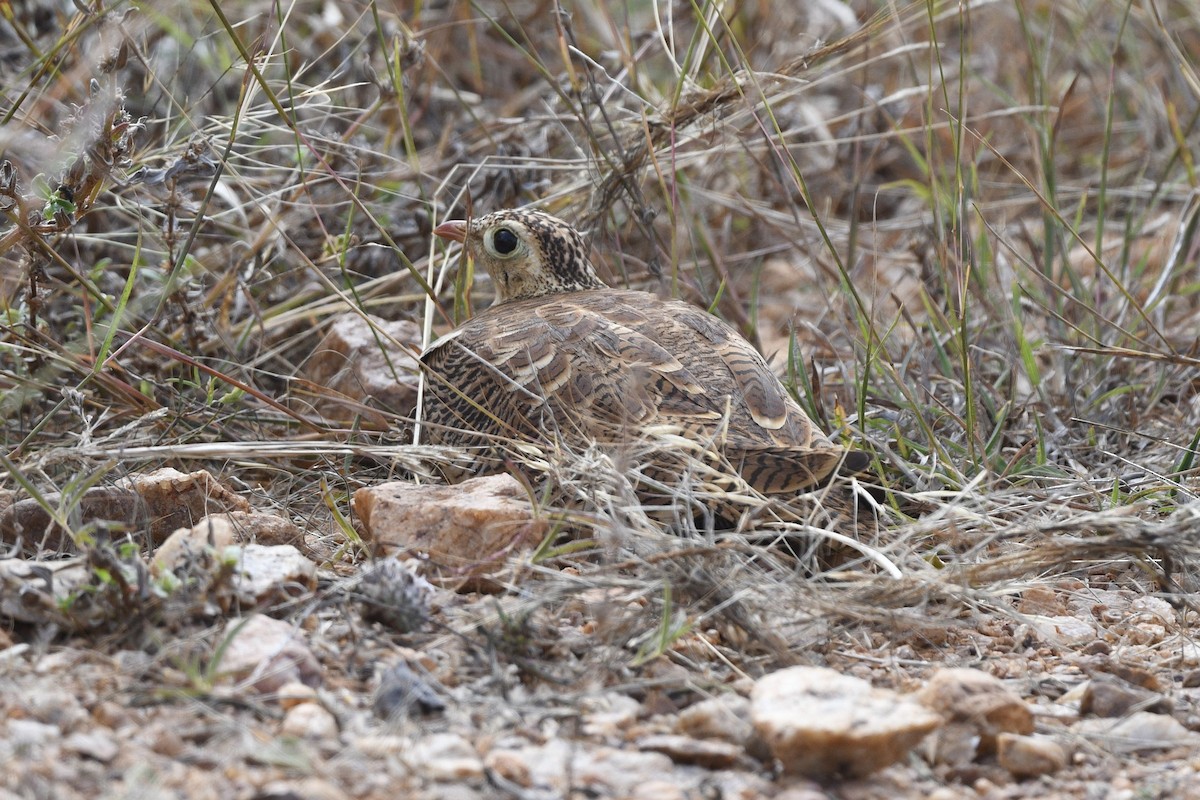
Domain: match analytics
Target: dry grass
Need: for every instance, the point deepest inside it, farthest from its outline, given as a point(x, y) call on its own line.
point(966, 233)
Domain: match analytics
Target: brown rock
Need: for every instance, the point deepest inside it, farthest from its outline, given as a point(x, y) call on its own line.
point(1109, 696)
point(364, 364)
point(28, 524)
point(710, 754)
point(1029, 757)
point(820, 723)
point(979, 700)
point(469, 528)
point(175, 500)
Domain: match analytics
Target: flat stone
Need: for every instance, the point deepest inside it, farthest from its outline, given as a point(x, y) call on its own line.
point(1141, 730)
point(710, 754)
point(820, 723)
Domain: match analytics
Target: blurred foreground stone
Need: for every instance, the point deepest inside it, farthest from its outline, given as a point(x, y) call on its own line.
point(820, 723)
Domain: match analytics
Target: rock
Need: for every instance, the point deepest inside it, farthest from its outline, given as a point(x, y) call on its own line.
point(612, 772)
point(710, 754)
point(608, 716)
point(403, 691)
point(266, 654)
point(97, 744)
point(1041, 600)
point(187, 549)
point(68, 593)
point(26, 523)
point(262, 574)
point(561, 767)
point(446, 757)
point(508, 765)
point(303, 789)
point(309, 721)
point(1141, 730)
point(1109, 696)
point(657, 790)
point(469, 528)
point(1029, 757)
point(978, 700)
point(820, 723)
point(725, 717)
point(1063, 630)
point(271, 574)
point(175, 500)
point(364, 364)
point(294, 694)
point(26, 734)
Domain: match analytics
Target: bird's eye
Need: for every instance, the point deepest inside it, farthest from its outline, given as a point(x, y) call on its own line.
point(504, 242)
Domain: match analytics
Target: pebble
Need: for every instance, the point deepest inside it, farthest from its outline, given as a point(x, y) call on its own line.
point(97, 744)
point(725, 717)
point(309, 721)
point(1029, 757)
point(1109, 696)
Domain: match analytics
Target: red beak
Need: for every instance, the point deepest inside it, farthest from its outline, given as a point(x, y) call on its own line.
point(455, 229)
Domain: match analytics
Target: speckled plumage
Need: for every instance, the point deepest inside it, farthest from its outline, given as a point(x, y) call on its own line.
point(560, 354)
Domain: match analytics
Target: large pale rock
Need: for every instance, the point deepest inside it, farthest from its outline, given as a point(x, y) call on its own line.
point(469, 528)
point(365, 364)
point(978, 701)
point(309, 721)
point(820, 723)
point(266, 654)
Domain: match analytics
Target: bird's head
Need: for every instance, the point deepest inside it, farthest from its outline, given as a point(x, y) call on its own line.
point(527, 253)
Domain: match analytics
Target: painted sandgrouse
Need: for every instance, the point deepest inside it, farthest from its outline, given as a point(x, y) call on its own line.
point(561, 354)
